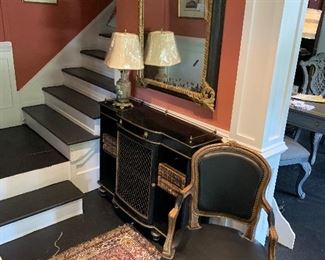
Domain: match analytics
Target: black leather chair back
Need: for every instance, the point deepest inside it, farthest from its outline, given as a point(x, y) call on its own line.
point(230, 181)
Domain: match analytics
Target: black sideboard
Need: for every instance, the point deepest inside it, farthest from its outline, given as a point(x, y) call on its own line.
point(143, 149)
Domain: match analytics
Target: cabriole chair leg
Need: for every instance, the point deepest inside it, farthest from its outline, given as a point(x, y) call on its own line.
point(307, 168)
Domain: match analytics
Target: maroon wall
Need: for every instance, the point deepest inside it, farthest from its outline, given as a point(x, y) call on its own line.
point(2, 33)
point(163, 14)
point(127, 18)
point(156, 15)
point(185, 26)
point(39, 31)
point(315, 4)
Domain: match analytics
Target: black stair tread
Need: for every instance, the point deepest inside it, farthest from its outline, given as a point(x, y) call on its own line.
point(67, 131)
point(106, 35)
point(98, 54)
point(25, 151)
point(92, 77)
point(76, 100)
point(34, 202)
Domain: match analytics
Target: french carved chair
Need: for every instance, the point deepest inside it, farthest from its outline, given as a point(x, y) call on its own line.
point(228, 180)
point(296, 154)
point(314, 83)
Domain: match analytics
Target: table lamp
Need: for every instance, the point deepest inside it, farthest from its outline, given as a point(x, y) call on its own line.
point(161, 51)
point(124, 54)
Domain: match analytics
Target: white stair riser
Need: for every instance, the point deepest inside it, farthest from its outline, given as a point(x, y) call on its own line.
point(48, 136)
point(33, 180)
point(36, 222)
point(84, 121)
point(84, 157)
point(103, 43)
point(88, 89)
point(97, 65)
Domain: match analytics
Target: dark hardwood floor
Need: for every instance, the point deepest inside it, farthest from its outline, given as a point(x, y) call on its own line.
point(99, 217)
point(307, 218)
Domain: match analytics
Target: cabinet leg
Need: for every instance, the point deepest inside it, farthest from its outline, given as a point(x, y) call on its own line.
point(115, 205)
point(102, 192)
point(155, 235)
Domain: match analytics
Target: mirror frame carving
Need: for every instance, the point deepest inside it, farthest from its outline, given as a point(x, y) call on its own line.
point(214, 15)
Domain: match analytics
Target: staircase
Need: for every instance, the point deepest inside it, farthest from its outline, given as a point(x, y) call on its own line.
point(69, 120)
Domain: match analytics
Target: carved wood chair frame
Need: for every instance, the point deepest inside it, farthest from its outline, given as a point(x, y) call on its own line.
point(192, 191)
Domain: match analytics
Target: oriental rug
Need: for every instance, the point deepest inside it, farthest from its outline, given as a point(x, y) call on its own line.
point(122, 243)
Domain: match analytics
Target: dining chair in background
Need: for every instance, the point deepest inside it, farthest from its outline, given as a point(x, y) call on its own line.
point(296, 154)
point(314, 83)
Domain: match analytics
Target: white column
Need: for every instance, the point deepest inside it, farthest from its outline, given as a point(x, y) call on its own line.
point(271, 38)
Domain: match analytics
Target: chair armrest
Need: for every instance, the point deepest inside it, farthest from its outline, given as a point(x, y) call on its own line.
point(168, 251)
point(273, 236)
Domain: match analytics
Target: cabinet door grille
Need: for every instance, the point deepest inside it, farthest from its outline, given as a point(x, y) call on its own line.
point(134, 174)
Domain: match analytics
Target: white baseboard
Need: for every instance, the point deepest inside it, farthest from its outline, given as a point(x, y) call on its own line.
point(36, 222)
point(87, 123)
point(33, 180)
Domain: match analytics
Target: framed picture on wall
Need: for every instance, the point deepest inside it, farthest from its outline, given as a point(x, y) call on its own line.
point(41, 1)
point(191, 8)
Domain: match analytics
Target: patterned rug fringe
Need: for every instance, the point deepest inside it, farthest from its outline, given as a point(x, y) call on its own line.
point(122, 243)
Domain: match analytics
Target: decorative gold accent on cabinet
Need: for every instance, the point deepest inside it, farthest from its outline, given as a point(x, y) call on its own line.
point(170, 179)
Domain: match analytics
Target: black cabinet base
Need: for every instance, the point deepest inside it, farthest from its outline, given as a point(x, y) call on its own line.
point(134, 141)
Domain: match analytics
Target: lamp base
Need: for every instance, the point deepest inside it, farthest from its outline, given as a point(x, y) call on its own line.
point(123, 91)
point(122, 104)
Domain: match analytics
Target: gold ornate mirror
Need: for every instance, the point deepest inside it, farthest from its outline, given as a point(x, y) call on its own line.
point(181, 40)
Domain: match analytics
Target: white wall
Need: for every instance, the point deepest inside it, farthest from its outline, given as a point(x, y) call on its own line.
point(9, 100)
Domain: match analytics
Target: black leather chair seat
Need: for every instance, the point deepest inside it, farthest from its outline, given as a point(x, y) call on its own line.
point(218, 242)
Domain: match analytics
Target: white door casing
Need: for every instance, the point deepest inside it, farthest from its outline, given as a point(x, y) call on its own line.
point(10, 114)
